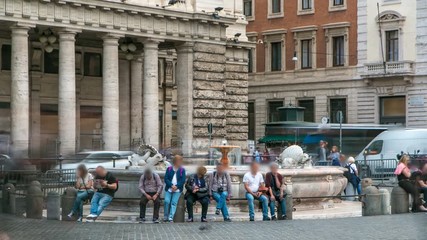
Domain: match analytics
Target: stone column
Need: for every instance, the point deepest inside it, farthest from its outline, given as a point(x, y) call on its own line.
point(20, 96)
point(136, 98)
point(110, 93)
point(151, 93)
point(184, 82)
point(67, 93)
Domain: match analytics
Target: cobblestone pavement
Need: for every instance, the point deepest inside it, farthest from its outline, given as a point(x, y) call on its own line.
point(402, 227)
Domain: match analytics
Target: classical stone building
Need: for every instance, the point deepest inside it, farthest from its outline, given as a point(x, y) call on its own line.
point(112, 74)
point(306, 55)
point(328, 56)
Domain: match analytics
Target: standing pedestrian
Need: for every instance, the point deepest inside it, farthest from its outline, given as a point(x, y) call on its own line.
point(322, 151)
point(174, 185)
point(257, 155)
point(334, 156)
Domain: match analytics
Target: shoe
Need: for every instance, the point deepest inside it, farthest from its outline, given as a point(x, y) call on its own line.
point(227, 220)
point(284, 217)
point(273, 218)
point(70, 215)
point(165, 220)
point(80, 219)
point(141, 220)
point(156, 220)
point(251, 219)
point(266, 219)
point(190, 220)
point(204, 220)
point(170, 220)
point(92, 216)
point(90, 220)
point(218, 211)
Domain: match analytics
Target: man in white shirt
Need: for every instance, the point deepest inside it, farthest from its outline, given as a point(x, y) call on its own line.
point(253, 180)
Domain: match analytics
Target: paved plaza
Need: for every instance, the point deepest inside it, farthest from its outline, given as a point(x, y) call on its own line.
point(406, 226)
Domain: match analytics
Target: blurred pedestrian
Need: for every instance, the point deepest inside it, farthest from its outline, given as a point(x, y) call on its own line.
point(151, 187)
point(197, 190)
point(220, 190)
point(174, 185)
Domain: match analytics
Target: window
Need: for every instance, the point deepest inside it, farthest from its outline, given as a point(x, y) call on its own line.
point(4, 120)
point(273, 113)
point(247, 8)
point(338, 51)
point(392, 45)
point(250, 61)
point(6, 55)
point(338, 2)
point(276, 56)
point(92, 64)
point(336, 105)
point(276, 6)
point(375, 148)
point(306, 58)
point(393, 110)
point(306, 4)
point(51, 61)
point(308, 104)
point(251, 120)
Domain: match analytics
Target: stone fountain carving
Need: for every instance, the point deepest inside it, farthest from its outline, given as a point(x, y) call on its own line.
point(148, 156)
point(294, 157)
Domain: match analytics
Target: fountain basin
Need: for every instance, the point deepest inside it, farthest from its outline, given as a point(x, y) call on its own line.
point(309, 182)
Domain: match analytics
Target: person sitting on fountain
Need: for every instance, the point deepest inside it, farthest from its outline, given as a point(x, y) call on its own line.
point(174, 184)
point(274, 181)
point(220, 190)
point(334, 156)
point(197, 190)
point(151, 187)
point(105, 185)
point(255, 189)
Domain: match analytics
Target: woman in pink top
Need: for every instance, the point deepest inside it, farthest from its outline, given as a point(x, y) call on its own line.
point(403, 176)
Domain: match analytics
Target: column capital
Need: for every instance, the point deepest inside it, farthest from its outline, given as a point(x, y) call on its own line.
point(111, 39)
point(186, 47)
point(151, 43)
point(22, 29)
point(67, 34)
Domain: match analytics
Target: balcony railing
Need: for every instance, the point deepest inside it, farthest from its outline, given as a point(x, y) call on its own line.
point(390, 68)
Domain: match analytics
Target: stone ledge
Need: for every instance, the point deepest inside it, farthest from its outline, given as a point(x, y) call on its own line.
point(209, 57)
point(209, 48)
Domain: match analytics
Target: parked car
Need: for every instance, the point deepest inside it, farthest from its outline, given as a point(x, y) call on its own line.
point(382, 152)
point(101, 158)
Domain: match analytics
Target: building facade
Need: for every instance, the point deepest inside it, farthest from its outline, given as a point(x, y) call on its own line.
point(114, 74)
point(364, 58)
point(306, 55)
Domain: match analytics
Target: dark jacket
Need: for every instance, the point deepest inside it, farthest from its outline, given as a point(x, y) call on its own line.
point(270, 182)
point(180, 178)
point(194, 180)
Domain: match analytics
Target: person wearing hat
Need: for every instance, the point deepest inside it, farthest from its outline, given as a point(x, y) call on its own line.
point(197, 190)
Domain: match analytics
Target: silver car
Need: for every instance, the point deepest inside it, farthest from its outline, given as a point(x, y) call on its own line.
point(102, 158)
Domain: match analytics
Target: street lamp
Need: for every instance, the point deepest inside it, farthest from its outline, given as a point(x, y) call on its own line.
point(295, 58)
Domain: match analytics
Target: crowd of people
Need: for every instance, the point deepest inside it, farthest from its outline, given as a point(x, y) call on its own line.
point(200, 187)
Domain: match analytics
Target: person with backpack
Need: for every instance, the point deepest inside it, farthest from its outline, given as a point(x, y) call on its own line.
point(220, 190)
point(197, 190)
point(105, 185)
point(352, 175)
point(174, 185)
point(84, 183)
point(151, 187)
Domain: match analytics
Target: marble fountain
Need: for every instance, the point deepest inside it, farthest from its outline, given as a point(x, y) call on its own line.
point(302, 179)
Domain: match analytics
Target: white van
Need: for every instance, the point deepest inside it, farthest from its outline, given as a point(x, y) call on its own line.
point(381, 153)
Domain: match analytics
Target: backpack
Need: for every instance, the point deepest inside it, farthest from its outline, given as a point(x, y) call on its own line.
point(348, 173)
point(170, 169)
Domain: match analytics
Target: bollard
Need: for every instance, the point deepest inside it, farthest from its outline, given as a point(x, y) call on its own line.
point(366, 182)
point(180, 210)
point(34, 201)
point(9, 198)
point(67, 202)
point(289, 202)
point(385, 201)
point(53, 206)
point(372, 202)
point(399, 201)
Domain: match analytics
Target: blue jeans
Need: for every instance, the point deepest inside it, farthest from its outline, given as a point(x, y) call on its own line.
point(282, 205)
point(263, 199)
point(171, 201)
point(424, 191)
point(221, 202)
point(99, 202)
point(82, 195)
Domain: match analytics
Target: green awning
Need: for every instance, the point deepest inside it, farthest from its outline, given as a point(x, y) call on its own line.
point(278, 139)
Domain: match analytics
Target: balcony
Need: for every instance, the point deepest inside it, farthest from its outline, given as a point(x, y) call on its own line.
point(376, 70)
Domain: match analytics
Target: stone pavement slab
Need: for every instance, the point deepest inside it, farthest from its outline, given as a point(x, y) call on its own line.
point(402, 227)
